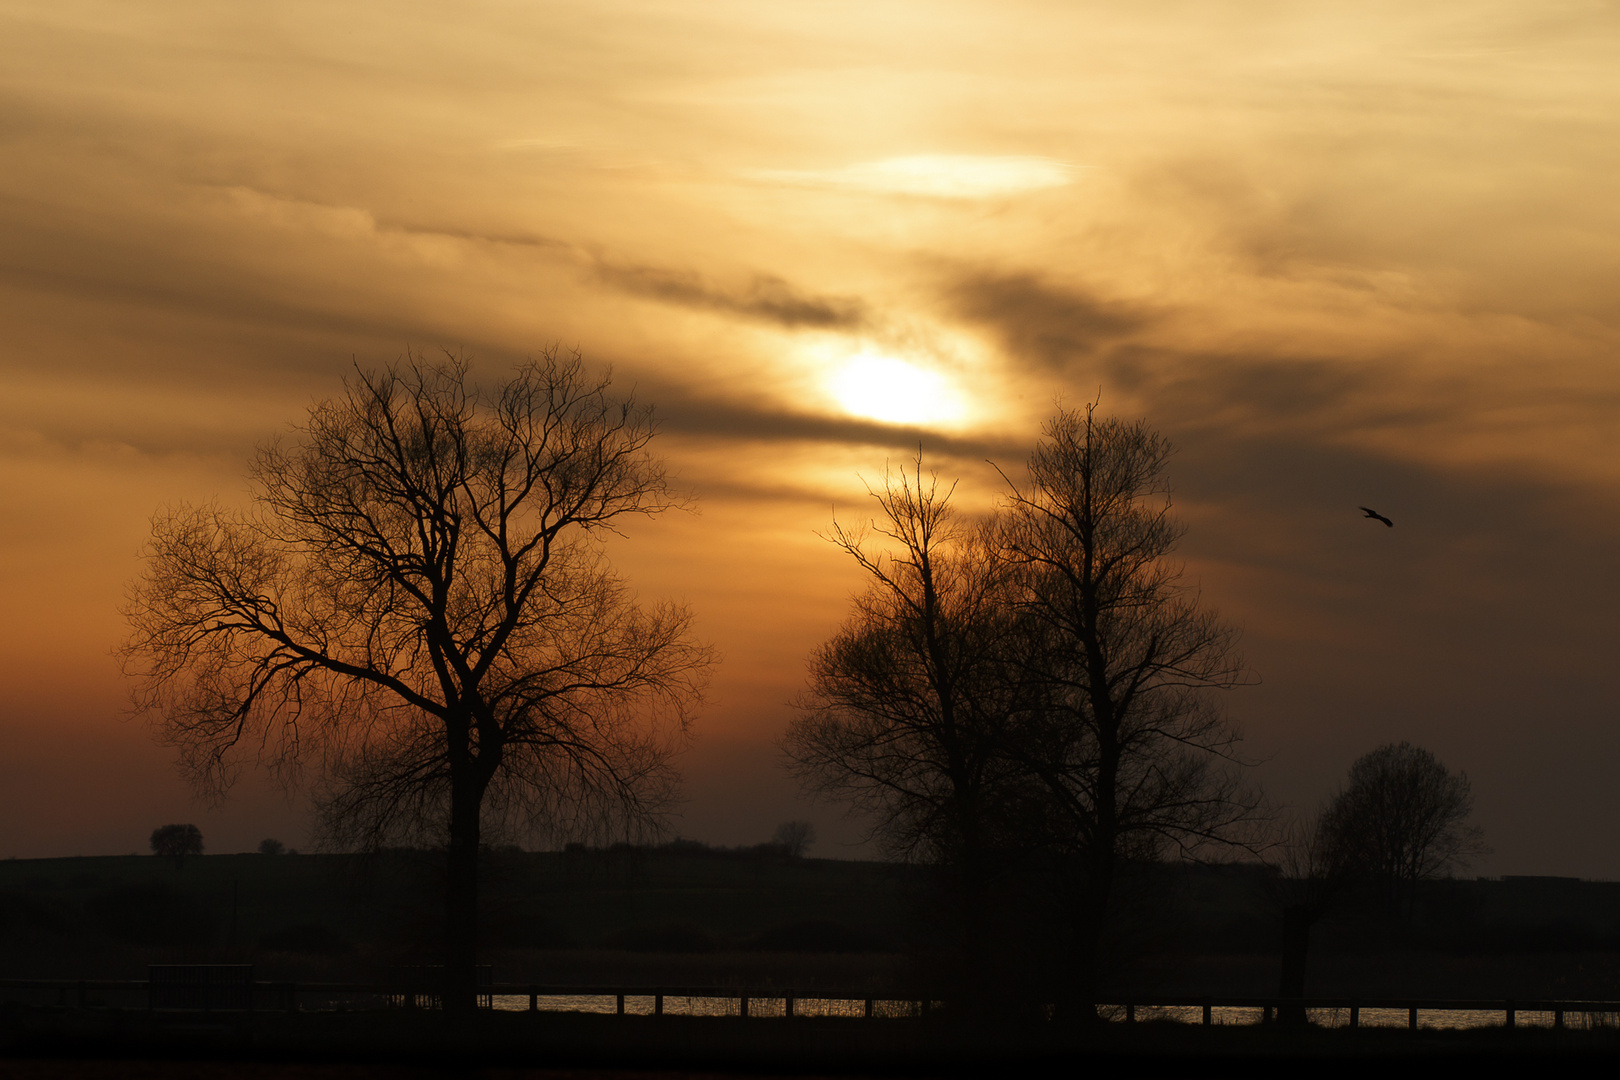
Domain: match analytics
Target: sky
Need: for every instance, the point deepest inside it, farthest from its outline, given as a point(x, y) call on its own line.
point(1340, 255)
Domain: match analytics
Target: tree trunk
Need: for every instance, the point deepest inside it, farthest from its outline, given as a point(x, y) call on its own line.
point(1079, 998)
point(460, 987)
point(1296, 943)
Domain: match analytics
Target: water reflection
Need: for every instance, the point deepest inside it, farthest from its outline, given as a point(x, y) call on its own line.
point(768, 1007)
point(680, 1005)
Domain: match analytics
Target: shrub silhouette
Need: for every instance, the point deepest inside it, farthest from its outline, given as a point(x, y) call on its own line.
point(150, 914)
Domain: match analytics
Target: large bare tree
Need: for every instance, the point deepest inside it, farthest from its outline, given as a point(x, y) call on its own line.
point(418, 607)
point(1136, 759)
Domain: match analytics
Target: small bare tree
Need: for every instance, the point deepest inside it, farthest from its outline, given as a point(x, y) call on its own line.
point(419, 607)
point(1402, 818)
point(1134, 757)
point(1313, 878)
point(907, 701)
point(794, 837)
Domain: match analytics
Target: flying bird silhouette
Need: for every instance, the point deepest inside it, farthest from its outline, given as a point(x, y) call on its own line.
point(1370, 512)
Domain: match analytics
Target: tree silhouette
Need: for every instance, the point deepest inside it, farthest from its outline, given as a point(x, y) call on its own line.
point(176, 842)
point(1134, 757)
point(1401, 818)
point(907, 702)
point(794, 837)
point(418, 609)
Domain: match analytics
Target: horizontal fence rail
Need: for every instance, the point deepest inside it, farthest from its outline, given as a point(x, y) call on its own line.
point(229, 991)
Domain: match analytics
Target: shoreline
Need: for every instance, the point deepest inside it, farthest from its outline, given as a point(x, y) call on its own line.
point(933, 1046)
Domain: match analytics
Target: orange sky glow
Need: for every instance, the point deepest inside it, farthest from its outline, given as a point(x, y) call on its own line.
point(1339, 254)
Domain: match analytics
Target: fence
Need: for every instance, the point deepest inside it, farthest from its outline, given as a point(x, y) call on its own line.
point(230, 988)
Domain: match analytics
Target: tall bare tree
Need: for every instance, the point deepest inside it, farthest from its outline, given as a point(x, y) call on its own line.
point(418, 606)
point(907, 701)
point(1135, 758)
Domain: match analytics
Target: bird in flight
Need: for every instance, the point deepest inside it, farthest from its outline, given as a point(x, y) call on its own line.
point(1370, 512)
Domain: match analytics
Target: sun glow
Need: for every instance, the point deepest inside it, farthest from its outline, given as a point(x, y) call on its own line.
point(895, 391)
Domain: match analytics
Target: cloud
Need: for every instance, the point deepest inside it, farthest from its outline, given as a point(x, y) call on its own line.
point(766, 298)
point(940, 176)
point(1051, 325)
point(684, 412)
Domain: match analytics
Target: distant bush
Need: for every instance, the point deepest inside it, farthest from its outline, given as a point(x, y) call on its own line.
point(28, 915)
point(525, 933)
point(150, 914)
point(272, 846)
point(669, 937)
point(312, 939)
point(818, 936)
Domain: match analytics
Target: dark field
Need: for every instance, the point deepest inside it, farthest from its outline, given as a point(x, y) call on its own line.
point(683, 914)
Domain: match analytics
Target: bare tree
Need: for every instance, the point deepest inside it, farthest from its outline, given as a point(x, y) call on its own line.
point(794, 837)
point(1401, 818)
point(176, 842)
point(907, 701)
point(418, 606)
point(1135, 758)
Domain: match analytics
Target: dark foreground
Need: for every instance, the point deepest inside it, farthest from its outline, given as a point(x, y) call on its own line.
point(41, 1042)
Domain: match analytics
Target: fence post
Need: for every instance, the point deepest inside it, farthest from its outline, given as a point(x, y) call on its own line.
point(1209, 1017)
point(658, 1004)
point(787, 1009)
point(868, 1008)
point(1355, 1014)
point(621, 1004)
point(742, 1006)
point(1411, 1017)
point(1558, 1018)
point(1130, 1012)
point(1508, 1022)
point(534, 1000)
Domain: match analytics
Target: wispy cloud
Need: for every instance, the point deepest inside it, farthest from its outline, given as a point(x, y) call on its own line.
point(941, 176)
point(766, 297)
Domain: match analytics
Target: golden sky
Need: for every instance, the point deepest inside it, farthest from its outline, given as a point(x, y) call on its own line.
point(1340, 254)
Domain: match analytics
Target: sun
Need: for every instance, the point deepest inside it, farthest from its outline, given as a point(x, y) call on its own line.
point(895, 391)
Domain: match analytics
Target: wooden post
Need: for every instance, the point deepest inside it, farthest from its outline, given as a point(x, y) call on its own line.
point(1558, 1018)
point(869, 1008)
point(534, 1000)
point(1355, 1015)
point(787, 1009)
point(742, 1007)
point(621, 1004)
point(1209, 1017)
point(1411, 1017)
point(1510, 1015)
point(658, 1004)
point(1130, 1012)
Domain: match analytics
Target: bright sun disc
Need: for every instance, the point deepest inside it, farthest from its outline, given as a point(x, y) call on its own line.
point(894, 391)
